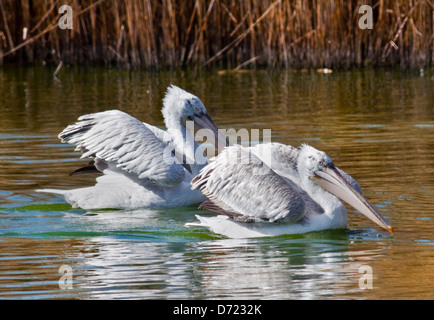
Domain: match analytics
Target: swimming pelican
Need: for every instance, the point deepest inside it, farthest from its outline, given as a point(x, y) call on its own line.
point(143, 166)
point(300, 193)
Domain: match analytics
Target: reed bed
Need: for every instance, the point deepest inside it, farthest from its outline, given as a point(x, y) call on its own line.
point(157, 34)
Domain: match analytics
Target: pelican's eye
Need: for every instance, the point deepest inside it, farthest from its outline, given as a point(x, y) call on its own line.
point(192, 103)
point(327, 164)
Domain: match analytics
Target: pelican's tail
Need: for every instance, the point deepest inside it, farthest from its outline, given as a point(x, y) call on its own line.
point(67, 195)
point(57, 192)
point(203, 222)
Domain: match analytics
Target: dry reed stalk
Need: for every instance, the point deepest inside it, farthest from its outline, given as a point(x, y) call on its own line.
point(242, 36)
point(6, 26)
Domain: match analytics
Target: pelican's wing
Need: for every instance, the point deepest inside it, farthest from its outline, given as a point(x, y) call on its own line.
point(279, 157)
point(159, 133)
point(123, 143)
point(242, 186)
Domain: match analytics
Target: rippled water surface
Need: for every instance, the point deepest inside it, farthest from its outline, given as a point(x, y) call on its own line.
point(376, 125)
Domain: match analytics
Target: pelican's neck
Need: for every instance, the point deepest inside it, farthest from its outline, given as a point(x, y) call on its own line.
point(186, 146)
point(332, 206)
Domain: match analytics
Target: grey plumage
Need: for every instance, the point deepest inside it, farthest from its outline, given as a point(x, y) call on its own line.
point(228, 181)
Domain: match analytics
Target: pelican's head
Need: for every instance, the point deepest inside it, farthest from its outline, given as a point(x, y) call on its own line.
point(318, 166)
point(311, 160)
point(180, 106)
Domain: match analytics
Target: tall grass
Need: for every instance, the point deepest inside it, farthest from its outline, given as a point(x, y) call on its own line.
point(228, 33)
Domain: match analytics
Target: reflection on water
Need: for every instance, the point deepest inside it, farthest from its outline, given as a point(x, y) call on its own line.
point(109, 267)
point(376, 125)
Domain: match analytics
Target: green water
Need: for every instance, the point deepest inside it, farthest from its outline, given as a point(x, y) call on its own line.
point(376, 125)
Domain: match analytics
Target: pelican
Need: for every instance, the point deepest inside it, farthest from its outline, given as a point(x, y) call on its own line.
point(296, 190)
point(143, 166)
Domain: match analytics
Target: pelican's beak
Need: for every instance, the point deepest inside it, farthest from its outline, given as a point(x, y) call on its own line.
point(332, 181)
point(205, 122)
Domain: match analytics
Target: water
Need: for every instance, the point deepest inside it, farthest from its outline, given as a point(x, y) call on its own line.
point(376, 125)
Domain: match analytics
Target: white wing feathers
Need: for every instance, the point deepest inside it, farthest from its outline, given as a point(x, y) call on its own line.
point(126, 144)
point(279, 157)
point(242, 186)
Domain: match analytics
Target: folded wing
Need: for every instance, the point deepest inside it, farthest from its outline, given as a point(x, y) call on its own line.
point(240, 185)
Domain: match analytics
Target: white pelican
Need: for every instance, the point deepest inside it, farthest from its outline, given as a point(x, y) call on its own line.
point(140, 166)
point(298, 194)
